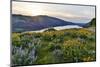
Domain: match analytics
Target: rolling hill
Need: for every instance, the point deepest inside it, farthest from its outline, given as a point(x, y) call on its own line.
point(92, 23)
point(32, 23)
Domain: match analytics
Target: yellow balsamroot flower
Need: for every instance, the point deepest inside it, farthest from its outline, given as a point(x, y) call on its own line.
point(72, 42)
point(86, 59)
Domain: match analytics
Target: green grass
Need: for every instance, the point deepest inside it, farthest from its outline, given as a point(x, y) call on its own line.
point(71, 45)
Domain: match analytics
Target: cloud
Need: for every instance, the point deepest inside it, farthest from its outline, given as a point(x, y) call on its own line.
point(56, 10)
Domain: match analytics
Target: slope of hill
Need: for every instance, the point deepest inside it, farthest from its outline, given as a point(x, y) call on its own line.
point(32, 23)
point(63, 46)
point(93, 22)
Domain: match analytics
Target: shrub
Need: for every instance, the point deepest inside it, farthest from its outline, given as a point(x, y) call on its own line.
point(70, 45)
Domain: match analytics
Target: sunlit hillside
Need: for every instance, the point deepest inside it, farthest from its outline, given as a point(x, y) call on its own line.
point(52, 46)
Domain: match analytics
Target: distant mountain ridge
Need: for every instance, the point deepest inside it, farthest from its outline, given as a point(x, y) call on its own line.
point(32, 23)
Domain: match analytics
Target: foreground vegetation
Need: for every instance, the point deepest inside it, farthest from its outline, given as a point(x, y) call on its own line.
point(70, 45)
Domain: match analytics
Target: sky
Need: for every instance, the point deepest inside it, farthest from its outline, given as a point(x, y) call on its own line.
point(73, 13)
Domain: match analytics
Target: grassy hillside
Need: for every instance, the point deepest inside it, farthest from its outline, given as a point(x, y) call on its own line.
point(93, 22)
point(71, 45)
